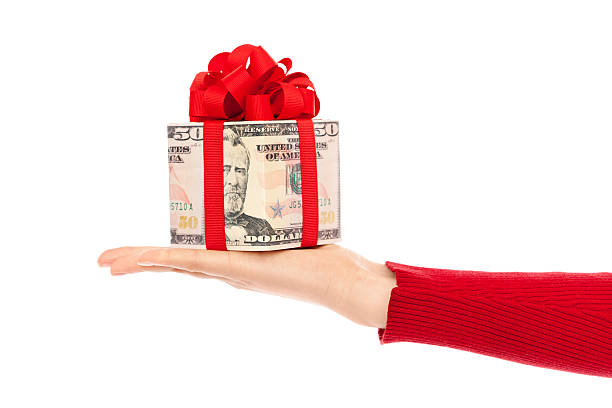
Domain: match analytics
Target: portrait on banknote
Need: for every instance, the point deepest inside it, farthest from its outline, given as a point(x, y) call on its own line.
point(236, 163)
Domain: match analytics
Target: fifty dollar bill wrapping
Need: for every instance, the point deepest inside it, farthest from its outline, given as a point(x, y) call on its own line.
point(262, 188)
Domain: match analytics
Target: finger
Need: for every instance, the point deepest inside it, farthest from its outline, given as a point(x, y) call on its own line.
point(128, 264)
point(194, 274)
point(205, 276)
point(199, 275)
point(128, 270)
point(217, 263)
point(107, 257)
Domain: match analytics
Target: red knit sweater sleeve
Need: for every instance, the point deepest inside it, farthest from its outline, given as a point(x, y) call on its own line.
point(552, 319)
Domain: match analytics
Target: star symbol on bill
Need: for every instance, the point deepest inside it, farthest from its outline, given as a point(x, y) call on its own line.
point(277, 209)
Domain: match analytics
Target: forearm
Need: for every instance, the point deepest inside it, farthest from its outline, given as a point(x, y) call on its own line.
point(553, 320)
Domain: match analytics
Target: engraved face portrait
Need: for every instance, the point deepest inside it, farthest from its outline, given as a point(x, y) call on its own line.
point(236, 162)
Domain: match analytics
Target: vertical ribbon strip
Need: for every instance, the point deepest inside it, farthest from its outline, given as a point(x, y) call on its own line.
point(310, 184)
point(214, 206)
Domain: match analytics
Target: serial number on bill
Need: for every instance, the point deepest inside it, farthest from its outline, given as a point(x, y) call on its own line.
point(323, 202)
point(180, 206)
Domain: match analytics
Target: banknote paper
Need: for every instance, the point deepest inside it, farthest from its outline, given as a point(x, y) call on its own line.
point(262, 184)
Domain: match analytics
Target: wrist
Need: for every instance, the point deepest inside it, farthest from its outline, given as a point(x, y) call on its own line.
point(364, 299)
point(377, 295)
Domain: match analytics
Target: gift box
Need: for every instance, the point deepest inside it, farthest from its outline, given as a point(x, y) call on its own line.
point(253, 170)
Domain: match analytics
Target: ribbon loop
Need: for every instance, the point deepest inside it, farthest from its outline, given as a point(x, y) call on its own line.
point(223, 91)
point(258, 108)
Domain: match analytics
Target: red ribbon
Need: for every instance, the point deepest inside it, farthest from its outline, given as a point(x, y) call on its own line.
point(310, 184)
point(261, 90)
point(214, 206)
point(247, 84)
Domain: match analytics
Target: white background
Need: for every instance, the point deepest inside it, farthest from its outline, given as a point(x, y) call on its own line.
point(474, 135)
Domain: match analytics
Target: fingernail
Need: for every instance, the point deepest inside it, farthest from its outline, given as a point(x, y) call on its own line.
point(145, 264)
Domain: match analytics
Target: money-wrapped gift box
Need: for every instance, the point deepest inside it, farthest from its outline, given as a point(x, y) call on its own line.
point(269, 182)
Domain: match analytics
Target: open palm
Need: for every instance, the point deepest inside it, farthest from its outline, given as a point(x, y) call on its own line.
point(328, 275)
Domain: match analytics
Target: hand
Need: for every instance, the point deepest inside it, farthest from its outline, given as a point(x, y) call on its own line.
point(328, 275)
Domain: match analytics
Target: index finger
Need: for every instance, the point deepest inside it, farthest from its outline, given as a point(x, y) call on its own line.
point(107, 257)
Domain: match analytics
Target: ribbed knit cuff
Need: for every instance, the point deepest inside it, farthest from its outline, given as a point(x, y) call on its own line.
point(554, 319)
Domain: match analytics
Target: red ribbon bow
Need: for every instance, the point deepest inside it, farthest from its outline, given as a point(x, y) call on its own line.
point(248, 84)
